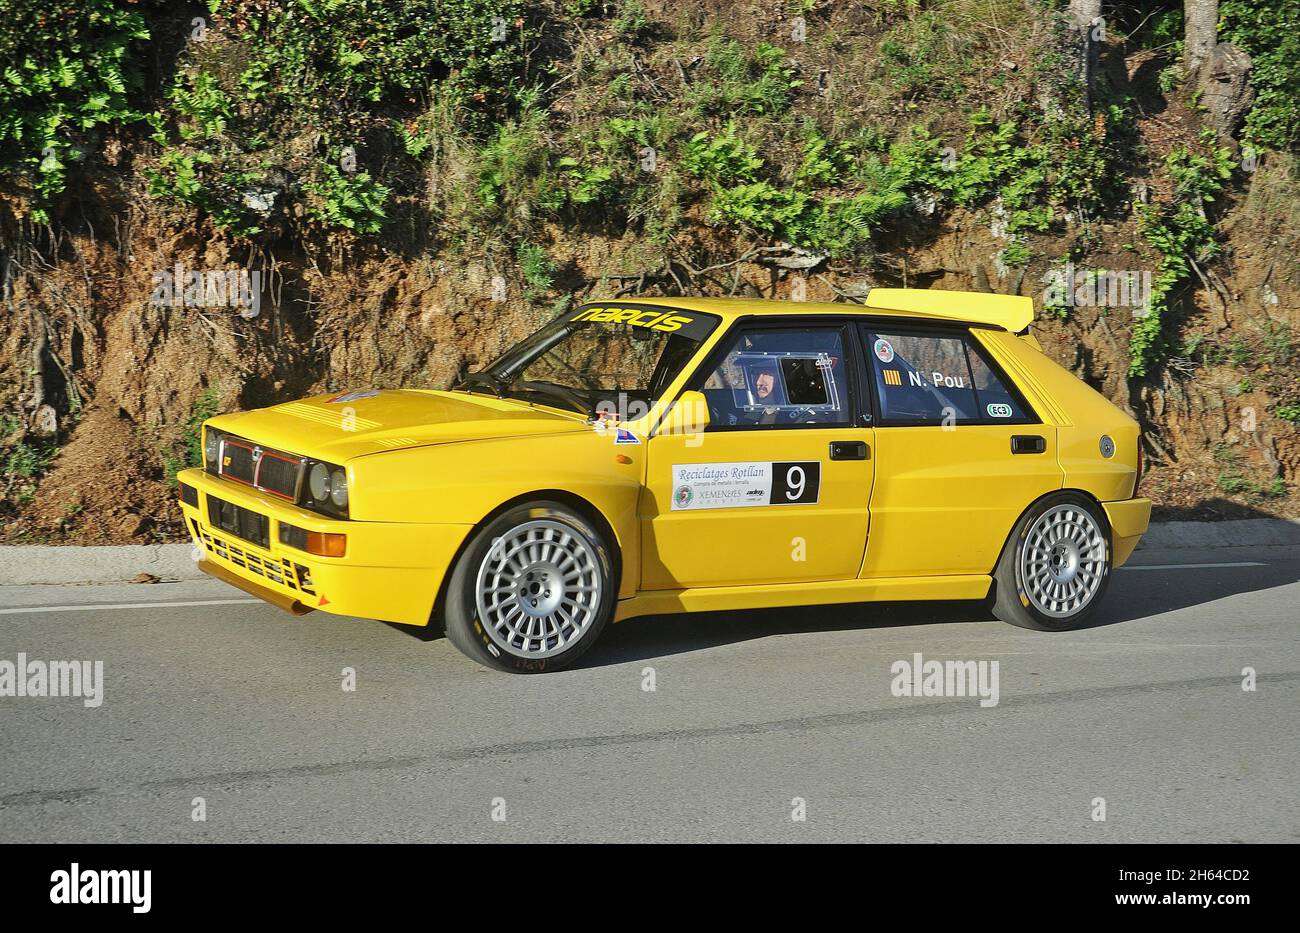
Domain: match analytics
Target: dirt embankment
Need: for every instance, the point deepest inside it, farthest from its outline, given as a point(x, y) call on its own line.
point(128, 376)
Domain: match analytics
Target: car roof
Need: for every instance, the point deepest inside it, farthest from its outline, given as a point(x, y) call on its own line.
point(1009, 312)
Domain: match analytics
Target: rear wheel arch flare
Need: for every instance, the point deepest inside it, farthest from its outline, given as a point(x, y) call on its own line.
point(1010, 542)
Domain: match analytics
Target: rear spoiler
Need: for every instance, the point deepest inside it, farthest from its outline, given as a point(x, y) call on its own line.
point(1010, 312)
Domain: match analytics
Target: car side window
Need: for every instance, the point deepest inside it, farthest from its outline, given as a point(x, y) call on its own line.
point(937, 379)
point(780, 378)
point(996, 401)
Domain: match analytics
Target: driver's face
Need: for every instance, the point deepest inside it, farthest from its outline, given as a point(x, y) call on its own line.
point(763, 384)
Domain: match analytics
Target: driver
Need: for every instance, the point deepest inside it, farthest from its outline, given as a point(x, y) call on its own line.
point(763, 378)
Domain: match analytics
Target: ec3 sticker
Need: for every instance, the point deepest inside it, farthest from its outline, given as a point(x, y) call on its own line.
point(884, 350)
point(998, 411)
point(736, 485)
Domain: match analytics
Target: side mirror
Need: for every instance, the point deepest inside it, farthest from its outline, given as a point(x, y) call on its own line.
point(689, 415)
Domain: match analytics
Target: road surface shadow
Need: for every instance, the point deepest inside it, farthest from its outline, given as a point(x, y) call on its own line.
point(1138, 594)
point(662, 635)
point(1133, 595)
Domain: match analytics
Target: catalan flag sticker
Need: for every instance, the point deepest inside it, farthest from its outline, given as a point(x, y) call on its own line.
point(892, 378)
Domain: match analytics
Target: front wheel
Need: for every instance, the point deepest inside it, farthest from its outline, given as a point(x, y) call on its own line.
point(1055, 568)
point(532, 591)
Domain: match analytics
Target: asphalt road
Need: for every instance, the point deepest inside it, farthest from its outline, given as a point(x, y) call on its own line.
point(243, 706)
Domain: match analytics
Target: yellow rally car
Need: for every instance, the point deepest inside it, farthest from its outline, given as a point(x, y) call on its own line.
point(677, 455)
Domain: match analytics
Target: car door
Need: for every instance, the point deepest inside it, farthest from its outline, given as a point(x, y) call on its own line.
point(776, 489)
point(959, 453)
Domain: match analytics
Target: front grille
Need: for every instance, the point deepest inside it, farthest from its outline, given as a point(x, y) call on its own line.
point(239, 521)
point(238, 462)
point(282, 571)
point(278, 474)
point(271, 471)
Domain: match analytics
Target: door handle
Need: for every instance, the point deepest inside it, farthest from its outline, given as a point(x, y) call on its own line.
point(1028, 444)
point(850, 450)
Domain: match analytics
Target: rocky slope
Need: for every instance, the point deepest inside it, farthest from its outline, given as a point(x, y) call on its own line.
point(631, 171)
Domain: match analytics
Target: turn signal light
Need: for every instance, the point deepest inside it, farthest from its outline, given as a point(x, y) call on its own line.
point(320, 543)
point(325, 544)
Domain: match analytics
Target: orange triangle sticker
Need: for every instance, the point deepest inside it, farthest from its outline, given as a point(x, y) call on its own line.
point(323, 601)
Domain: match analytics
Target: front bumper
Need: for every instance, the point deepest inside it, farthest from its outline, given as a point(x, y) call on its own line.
point(1129, 519)
point(390, 571)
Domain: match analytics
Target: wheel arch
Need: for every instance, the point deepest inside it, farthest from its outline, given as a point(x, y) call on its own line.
point(580, 505)
point(1101, 510)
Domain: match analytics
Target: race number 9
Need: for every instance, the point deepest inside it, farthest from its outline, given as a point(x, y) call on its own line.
point(796, 483)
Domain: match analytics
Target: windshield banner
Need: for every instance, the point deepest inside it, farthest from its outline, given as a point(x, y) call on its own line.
point(691, 324)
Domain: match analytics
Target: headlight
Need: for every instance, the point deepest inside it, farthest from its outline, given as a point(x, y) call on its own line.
point(339, 488)
point(211, 448)
point(326, 489)
point(318, 482)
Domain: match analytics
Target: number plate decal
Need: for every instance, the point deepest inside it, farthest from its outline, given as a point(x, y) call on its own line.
point(736, 485)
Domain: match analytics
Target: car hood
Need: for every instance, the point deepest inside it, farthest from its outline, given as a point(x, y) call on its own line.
point(353, 424)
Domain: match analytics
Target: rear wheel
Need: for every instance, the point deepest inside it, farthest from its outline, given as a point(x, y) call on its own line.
point(1055, 568)
point(533, 590)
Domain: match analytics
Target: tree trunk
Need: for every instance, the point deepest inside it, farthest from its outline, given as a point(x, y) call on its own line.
point(1083, 12)
point(1200, 33)
point(1086, 23)
point(1224, 83)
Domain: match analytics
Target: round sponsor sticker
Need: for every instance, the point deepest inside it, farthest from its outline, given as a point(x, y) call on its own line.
point(1107, 446)
point(998, 411)
point(684, 495)
point(884, 352)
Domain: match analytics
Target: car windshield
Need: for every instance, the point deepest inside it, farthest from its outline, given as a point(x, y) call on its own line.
point(612, 357)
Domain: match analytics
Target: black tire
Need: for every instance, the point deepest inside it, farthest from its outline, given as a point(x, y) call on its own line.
point(499, 646)
point(1018, 600)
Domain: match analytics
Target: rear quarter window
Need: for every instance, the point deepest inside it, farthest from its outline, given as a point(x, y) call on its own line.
point(938, 379)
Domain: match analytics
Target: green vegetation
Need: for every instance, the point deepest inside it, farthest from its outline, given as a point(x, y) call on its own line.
point(1017, 253)
point(474, 124)
point(537, 269)
point(1181, 231)
point(803, 213)
point(28, 460)
point(66, 73)
point(201, 409)
point(745, 83)
point(1233, 480)
point(337, 104)
point(23, 463)
point(320, 81)
point(1270, 33)
point(1235, 483)
point(618, 145)
point(821, 211)
point(355, 202)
